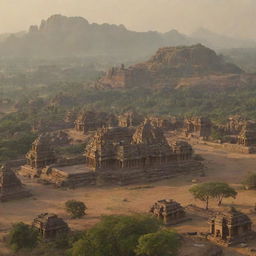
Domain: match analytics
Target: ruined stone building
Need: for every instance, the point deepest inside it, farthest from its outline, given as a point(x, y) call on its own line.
point(234, 125)
point(91, 121)
point(41, 153)
point(50, 225)
point(142, 147)
point(130, 119)
point(247, 136)
point(167, 123)
point(121, 77)
point(168, 211)
point(40, 156)
point(198, 126)
point(230, 227)
point(10, 186)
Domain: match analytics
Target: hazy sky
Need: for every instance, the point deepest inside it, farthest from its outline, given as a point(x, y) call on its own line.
point(233, 17)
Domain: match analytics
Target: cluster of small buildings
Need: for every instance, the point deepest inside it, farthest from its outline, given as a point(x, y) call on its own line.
point(227, 228)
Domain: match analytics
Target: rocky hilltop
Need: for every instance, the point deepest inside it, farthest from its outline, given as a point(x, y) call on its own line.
point(175, 67)
point(61, 36)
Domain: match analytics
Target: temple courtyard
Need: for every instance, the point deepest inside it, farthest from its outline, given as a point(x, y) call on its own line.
point(220, 166)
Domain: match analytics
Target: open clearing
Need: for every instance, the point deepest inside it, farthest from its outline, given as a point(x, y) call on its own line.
point(220, 166)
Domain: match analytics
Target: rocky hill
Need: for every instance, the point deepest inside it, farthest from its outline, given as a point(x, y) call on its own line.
point(61, 36)
point(175, 67)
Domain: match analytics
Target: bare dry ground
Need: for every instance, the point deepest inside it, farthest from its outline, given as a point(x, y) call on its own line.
point(220, 166)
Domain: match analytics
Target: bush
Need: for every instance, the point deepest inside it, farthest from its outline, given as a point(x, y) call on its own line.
point(75, 208)
point(163, 242)
point(22, 236)
point(115, 236)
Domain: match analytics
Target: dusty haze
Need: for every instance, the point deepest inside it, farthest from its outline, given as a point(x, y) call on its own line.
point(231, 17)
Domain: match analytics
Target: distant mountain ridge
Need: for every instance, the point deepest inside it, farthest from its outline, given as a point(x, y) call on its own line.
point(61, 36)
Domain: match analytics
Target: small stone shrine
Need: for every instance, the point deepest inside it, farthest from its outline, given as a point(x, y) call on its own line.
point(230, 227)
point(49, 225)
point(169, 211)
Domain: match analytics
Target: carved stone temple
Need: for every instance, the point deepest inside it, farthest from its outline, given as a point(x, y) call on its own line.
point(247, 136)
point(198, 127)
point(91, 121)
point(169, 211)
point(142, 147)
point(40, 156)
point(10, 186)
point(50, 225)
point(115, 156)
point(230, 227)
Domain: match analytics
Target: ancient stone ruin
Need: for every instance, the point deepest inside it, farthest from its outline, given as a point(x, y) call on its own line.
point(143, 147)
point(230, 227)
point(10, 186)
point(130, 119)
point(50, 225)
point(234, 125)
point(167, 123)
point(247, 136)
point(168, 211)
point(40, 156)
point(91, 121)
point(120, 155)
point(199, 127)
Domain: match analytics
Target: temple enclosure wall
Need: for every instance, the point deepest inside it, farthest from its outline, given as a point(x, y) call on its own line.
point(127, 176)
point(236, 148)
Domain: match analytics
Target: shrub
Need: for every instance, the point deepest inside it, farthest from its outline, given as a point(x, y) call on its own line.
point(163, 242)
point(115, 236)
point(22, 236)
point(75, 208)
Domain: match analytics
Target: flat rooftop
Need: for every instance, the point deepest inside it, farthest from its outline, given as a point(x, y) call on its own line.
point(75, 169)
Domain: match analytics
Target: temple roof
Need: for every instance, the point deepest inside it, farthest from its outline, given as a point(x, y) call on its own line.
point(232, 217)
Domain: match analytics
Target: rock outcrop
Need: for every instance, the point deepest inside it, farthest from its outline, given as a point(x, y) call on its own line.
point(170, 66)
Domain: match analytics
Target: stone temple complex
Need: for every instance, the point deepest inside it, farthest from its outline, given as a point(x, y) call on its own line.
point(230, 227)
point(169, 211)
point(118, 155)
point(91, 121)
point(122, 147)
point(10, 186)
point(50, 225)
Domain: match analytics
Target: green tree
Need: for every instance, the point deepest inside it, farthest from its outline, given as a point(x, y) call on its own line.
point(115, 235)
point(161, 243)
point(202, 192)
point(75, 208)
point(22, 236)
point(222, 190)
